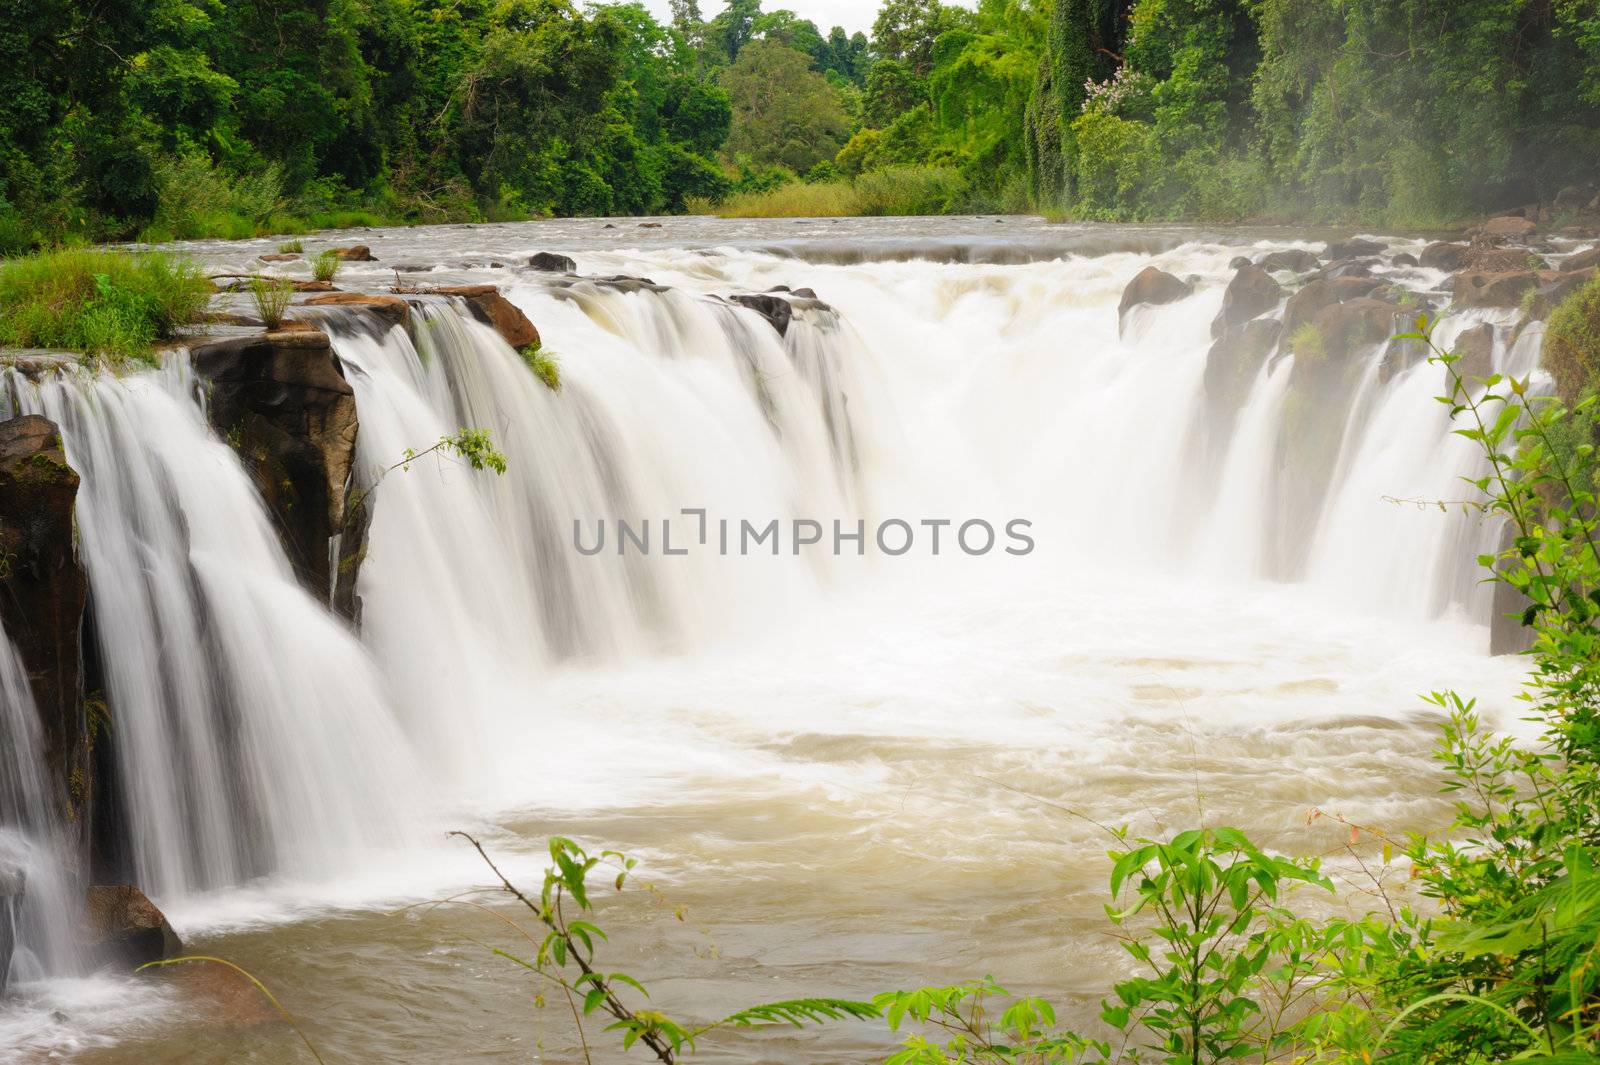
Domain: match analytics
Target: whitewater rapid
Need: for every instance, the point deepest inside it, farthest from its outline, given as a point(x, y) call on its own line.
point(754, 724)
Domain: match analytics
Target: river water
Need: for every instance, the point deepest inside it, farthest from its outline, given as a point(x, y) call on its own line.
point(840, 774)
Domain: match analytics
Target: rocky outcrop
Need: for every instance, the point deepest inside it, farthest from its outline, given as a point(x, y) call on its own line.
point(1476, 348)
point(1235, 360)
point(125, 929)
point(1151, 287)
point(1306, 304)
point(1582, 260)
point(1353, 248)
point(43, 593)
point(1295, 259)
point(1478, 288)
point(1251, 293)
point(353, 539)
point(1554, 287)
point(284, 257)
point(282, 401)
point(775, 309)
point(391, 309)
point(492, 308)
point(1405, 258)
point(356, 253)
point(1445, 255)
point(1345, 328)
point(553, 263)
point(1505, 228)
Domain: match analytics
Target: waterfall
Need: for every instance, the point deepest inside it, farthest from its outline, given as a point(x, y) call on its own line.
point(257, 735)
point(253, 734)
point(37, 912)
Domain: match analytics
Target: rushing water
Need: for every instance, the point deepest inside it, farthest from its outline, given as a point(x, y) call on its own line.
point(853, 771)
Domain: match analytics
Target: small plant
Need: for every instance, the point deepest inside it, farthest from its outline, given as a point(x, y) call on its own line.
point(325, 267)
point(292, 247)
point(1307, 342)
point(546, 365)
point(1024, 1032)
point(566, 955)
point(272, 296)
point(476, 446)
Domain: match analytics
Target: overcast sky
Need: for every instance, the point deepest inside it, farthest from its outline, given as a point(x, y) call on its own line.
point(853, 15)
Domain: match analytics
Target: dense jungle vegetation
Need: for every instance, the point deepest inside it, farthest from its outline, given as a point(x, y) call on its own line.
point(186, 118)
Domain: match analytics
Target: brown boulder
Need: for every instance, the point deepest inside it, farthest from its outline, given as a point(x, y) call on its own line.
point(281, 401)
point(125, 928)
point(1235, 360)
point(1251, 293)
point(1444, 255)
point(1346, 327)
point(1582, 260)
point(1154, 287)
point(1353, 248)
point(313, 286)
point(1505, 227)
point(551, 262)
point(391, 309)
point(43, 590)
point(490, 307)
point(1296, 259)
point(1306, 304)
point(356, 253)
point(1476, 348)
point(1476, 288)
point(278, 258)
point(775, 309)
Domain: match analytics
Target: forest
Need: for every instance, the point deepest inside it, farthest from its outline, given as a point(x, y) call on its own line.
point(162, 119)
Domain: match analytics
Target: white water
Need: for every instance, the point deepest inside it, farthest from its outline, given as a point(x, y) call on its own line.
point(501, 674)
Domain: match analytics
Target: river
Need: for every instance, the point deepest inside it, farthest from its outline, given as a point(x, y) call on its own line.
point(839, 774)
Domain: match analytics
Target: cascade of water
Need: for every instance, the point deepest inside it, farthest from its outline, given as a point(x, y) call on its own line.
point(252, 732)
point(36, 911)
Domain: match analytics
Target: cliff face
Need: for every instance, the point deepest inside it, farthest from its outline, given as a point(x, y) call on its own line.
point(282, 401)
point(43, 592)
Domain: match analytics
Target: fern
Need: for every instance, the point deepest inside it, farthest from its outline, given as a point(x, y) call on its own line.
point(798, 1012)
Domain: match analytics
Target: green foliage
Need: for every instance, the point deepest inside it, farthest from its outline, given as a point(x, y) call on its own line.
point(1572, 342)
point(546, 365)
point(292, 247)
point(784, 113)
point(567, 955)
point(110, 305)
point(326, 266)
point(1025, 1030)
point(475, 446)
point(905, 190)
point(272, 296)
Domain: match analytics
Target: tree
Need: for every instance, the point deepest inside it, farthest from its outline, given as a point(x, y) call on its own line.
point(783, 112)
point(733, 27)
point(905, 30)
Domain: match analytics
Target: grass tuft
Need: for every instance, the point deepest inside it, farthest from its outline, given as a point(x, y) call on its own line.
point(898, 190)
point(546, 365)
point(272, 296)
point(326, 266)
point(108, 304)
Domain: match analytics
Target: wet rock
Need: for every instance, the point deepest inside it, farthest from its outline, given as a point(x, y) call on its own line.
point(805, 293)
point(1251, 293)
point(1347, 268)
point(1235, 360)
point(1345, 328)
point(313, 286)
point(775, 309)
point(1353, 248)
point(492, 308)
point(124, 928)
point(1494, 260)
point(553, 263)
point(1582, 260)
point(1476, 348)
point(391, 309)
point(1237, 261)
point(649, 225)
point(1405, 258)
point(1296, 259)
point(43, 591)
point(355, 253)
point(281, 400)
point(353, 539)
point(1445, 255)
point(1304, 305)
point(1476, 288)
point(1554, 287)
point(1152, 286)
point(277, 258)
point(411, 268)
point(1505, 227)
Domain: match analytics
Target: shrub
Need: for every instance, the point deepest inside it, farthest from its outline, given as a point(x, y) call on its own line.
point(909, 190)
point(546, 365)
point(1572, 341)
point(107, 304)
point(272, 296)
point(194, 200)
point(326, 266)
